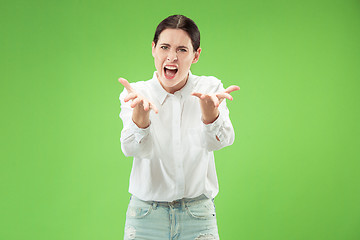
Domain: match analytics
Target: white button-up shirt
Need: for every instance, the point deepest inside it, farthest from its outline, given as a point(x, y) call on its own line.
point(173, 157)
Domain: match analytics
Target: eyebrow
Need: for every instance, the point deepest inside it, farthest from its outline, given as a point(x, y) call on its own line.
point(168, 45)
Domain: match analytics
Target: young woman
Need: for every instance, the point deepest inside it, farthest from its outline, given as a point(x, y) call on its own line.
point(172, 123)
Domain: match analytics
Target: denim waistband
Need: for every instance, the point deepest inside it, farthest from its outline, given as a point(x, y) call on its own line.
point(176, 203)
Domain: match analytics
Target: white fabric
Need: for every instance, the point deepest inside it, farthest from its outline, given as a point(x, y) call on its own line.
point(173, 157)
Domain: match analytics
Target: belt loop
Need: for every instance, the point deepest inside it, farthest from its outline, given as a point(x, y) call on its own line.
point(154, 204)
point(183, 204)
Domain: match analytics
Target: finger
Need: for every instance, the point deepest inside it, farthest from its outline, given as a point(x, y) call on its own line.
point(232, 88)
point(135, 102)
point(130, 96)
point(205, 97)
point(215, 100)
point(153, 107)
point(126, 84)
point(145, 105)
point(196, 94)
point(224, 95)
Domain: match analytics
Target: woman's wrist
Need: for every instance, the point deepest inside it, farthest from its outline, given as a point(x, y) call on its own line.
point(210, 117)
point(141, 118)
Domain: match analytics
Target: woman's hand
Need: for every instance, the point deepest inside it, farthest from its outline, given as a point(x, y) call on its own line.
point(140, 104)
point(209, 103)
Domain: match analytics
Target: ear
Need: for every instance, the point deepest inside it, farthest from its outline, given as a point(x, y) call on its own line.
point(153, 48)
point(197, 55)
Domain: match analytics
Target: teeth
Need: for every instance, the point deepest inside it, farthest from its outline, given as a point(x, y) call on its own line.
point(171, 67)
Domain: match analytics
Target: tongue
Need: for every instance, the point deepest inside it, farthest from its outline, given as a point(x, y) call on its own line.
point(170, 73)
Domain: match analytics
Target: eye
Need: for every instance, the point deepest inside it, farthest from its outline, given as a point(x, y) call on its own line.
point(182, 50)
point(164, 47)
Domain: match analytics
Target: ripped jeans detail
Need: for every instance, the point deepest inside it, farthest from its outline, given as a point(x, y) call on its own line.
point(190, 219)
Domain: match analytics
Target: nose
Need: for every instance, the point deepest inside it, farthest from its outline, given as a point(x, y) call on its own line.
point(172, 56)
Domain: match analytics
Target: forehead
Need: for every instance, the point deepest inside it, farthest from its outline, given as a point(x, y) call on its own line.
point(175, 37)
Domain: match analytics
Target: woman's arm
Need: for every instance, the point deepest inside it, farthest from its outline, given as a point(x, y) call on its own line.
point(135, 138)
point(217, 128)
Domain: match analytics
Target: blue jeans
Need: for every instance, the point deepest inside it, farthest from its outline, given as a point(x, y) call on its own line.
point(184, 219)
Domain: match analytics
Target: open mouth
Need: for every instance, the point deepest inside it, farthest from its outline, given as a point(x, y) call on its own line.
point(170, 71)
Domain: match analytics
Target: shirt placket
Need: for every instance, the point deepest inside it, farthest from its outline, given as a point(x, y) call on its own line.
point(176, 129)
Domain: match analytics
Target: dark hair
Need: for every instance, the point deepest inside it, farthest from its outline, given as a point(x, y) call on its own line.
point(183, 23)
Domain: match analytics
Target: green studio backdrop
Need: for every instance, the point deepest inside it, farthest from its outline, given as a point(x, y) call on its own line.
point(293, 171)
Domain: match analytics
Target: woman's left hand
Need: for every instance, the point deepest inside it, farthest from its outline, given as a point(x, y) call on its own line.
point(209, 103)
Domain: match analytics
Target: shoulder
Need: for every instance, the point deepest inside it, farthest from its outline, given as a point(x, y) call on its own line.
point(207, 84)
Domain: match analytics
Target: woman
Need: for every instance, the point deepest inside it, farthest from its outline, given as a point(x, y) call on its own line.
point(172, 123)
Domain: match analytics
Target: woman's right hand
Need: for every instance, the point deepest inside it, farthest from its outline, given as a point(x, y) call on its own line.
point(140, 104)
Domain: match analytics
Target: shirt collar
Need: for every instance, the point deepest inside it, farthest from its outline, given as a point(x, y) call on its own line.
point(161, 93)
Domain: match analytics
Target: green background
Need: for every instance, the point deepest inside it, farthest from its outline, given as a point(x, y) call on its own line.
point(293, 171)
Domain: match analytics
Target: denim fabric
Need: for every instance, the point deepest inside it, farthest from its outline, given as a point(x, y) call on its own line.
point(184, 219)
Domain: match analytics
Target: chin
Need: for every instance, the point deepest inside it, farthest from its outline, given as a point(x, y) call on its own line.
point(170, 83)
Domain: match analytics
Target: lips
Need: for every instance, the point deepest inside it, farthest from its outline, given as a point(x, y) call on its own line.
point(170, 71)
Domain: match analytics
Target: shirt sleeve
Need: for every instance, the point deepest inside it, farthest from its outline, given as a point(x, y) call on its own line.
point(220, 133)
point(135, 141)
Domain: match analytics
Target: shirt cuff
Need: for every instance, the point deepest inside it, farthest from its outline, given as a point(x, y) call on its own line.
point(139, 133)
point(215, 128)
